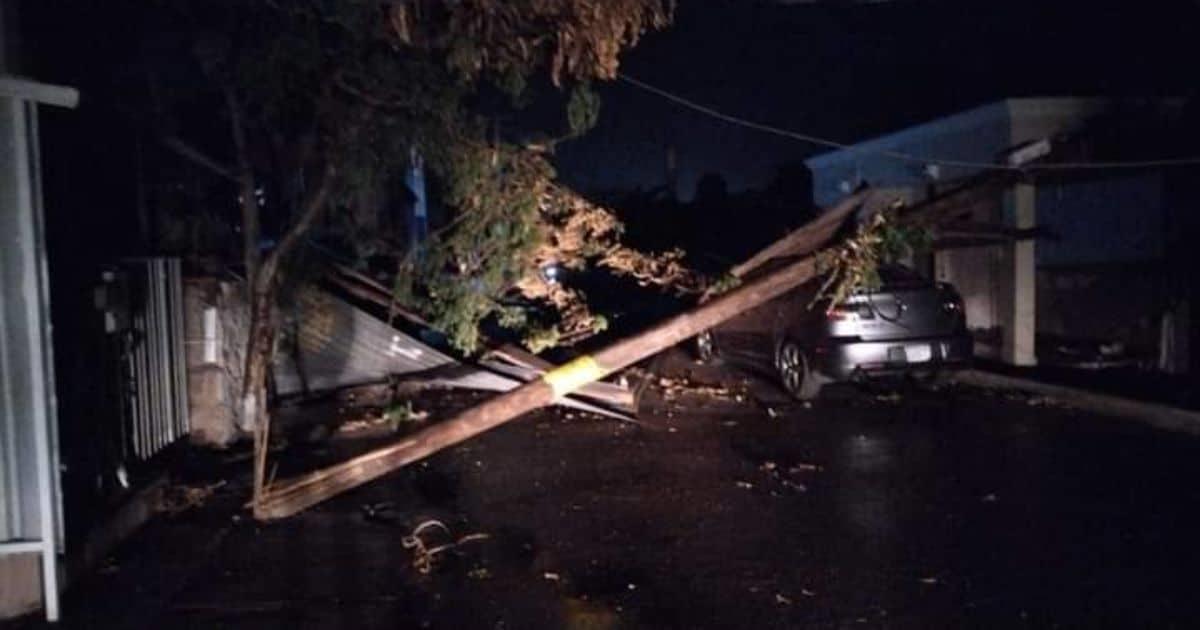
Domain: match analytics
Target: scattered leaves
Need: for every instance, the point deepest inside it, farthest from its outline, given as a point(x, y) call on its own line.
point(180, 498)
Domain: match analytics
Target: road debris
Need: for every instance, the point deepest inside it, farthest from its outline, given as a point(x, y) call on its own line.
point(674, 388)
point(783, 477)
point(180, 498)
point(421, 542)
point(386, 419)
point(479, 573)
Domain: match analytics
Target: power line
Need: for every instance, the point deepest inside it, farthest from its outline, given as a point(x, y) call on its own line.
point(896, 155)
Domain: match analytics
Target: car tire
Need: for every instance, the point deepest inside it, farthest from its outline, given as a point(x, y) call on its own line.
point(794, 373)
point(704, 347)
point(932, 378)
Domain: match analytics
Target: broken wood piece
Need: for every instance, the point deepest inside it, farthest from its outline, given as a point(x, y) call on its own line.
point(290, 497)
point(608, 393)
point(365, 288)
point(519, 356)
point(947, 206)
point(802, 241)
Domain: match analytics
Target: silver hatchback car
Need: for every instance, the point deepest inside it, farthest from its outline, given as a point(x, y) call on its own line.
point(908, 325)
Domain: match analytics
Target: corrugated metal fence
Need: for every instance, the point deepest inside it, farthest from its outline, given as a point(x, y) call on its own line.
point(157, 400)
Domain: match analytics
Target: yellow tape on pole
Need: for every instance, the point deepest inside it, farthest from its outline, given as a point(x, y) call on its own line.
point(572, 375)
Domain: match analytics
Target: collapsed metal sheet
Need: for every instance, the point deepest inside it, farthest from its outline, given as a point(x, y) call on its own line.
point(332, 344)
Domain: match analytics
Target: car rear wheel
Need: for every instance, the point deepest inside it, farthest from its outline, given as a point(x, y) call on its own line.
point(794, 373)
point(705, 347)
point(932, 378)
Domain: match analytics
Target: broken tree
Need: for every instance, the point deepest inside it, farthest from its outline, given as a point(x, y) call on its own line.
point(292, 496)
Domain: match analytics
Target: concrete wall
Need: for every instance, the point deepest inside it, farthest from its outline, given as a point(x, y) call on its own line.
point(20, 584)
point(216, 323)
point(1033, 119)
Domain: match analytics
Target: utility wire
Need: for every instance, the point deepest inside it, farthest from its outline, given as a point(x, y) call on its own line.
point(897, 155)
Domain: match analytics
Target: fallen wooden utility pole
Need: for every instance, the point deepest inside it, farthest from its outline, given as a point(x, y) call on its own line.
point(292, 496)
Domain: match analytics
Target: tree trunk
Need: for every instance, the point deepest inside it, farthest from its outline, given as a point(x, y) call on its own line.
point(263, 279)
point(247, 194)
point(259, 351)
point(260, 345)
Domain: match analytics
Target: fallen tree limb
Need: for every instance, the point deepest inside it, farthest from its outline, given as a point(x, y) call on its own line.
point(801, 241)
point(367, 288)
point(295, 495)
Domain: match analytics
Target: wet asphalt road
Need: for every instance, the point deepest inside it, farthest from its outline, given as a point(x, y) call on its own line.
point(944, 509)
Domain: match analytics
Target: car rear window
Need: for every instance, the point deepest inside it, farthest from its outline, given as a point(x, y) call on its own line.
point(900, 277)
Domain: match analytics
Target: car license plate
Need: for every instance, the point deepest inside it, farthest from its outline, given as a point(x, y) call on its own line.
point(896, 354)
point(918, 353)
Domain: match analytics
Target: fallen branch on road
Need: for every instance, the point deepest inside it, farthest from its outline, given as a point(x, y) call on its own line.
point(298, 494)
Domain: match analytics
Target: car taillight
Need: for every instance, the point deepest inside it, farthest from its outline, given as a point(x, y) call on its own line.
point(850, 312)
point(951, 301)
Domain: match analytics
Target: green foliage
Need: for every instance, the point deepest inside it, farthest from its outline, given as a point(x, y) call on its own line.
point(469, 266)
point(724, 284)
point(358, 85)
point(514, 84)
point(541, 338)
point(583, 109)
point(399, 414)
point(853, 265)
point(900, 241)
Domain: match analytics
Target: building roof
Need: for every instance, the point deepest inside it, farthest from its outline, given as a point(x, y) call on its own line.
point(949, 147)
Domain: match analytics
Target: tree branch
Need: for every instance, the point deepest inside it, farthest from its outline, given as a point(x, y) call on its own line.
point(248, 197)
point(195, 156)
point(311, 212)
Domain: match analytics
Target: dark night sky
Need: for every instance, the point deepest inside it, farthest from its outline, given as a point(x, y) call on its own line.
point(836, 68)
point(853, 71)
